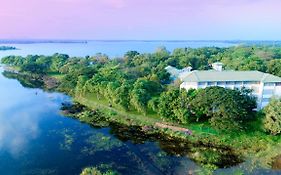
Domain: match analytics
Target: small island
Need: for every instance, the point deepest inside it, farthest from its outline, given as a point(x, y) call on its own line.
point(3, 48)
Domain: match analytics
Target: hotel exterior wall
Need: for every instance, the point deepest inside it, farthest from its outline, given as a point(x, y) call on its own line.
point(230, 85)
point(257, 88)
point(190, 85)
point(278, 91)
point(270, 90)
point(262, 91)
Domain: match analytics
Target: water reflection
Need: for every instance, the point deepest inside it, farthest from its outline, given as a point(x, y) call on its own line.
point(20, 115)
point(32, 128)
point(18, 131)
point(36, 139)
point(19, 124)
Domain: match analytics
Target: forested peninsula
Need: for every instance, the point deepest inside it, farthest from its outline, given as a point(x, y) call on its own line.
point(136, 90)
point(3, 48)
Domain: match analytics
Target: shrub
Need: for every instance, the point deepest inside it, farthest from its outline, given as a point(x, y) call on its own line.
point(272, 120)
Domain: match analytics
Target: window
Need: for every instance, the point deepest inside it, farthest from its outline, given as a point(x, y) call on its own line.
point(202, 83)
point(248, 82)
point(211, 83)
point(268, 91)
point(239, 83)
point(278, 84)
point(221, 83)
point(269, 84)
point(229, 83)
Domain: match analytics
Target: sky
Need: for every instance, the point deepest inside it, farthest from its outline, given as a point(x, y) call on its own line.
point(141, 19)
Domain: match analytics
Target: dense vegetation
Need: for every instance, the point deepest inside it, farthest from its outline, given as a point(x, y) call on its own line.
point(139, 82)
point(138, 86)
point(7, 48)
point(272, 120)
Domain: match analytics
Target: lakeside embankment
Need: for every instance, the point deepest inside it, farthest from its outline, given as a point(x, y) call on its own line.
point(173, 137)
point(247, 147)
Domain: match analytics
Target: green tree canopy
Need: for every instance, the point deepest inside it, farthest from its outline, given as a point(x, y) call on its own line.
point(272, 120)
point(225, 108)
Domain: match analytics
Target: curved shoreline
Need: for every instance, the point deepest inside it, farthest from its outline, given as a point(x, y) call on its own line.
point(260, 157)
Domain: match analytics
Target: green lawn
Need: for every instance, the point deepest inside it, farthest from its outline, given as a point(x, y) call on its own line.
point(91, 101)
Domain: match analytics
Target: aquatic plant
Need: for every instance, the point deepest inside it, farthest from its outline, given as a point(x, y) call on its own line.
point(99, 170)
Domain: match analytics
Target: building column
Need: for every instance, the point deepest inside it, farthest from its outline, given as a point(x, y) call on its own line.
point(260, 96)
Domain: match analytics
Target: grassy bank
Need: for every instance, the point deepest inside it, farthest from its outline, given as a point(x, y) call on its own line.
point(139, 129)
point(123, 117)
point(256, 147)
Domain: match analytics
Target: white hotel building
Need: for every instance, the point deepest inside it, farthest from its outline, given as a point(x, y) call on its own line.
point(264, 85)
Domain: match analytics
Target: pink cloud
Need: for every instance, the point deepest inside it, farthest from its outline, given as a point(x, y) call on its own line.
point(139, 19)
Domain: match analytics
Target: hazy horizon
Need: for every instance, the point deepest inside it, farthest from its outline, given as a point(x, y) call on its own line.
point(69, 39)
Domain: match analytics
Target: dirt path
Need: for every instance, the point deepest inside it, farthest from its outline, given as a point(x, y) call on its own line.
point(140, 118)
point(174, 128)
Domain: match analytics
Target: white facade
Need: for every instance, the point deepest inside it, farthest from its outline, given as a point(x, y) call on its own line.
point(217, 66)
point(264, 85)
point(263, 91)
point(178, 73)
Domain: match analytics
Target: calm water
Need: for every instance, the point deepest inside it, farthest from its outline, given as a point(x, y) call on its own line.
point(111, 48)
point(36, 139)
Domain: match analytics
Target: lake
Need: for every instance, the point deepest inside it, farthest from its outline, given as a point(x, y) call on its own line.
point(35, 138)
point(111, 48)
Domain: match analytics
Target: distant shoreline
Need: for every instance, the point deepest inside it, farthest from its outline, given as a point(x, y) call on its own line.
point(50, 41)
point(5, 48)
point(41, 41)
